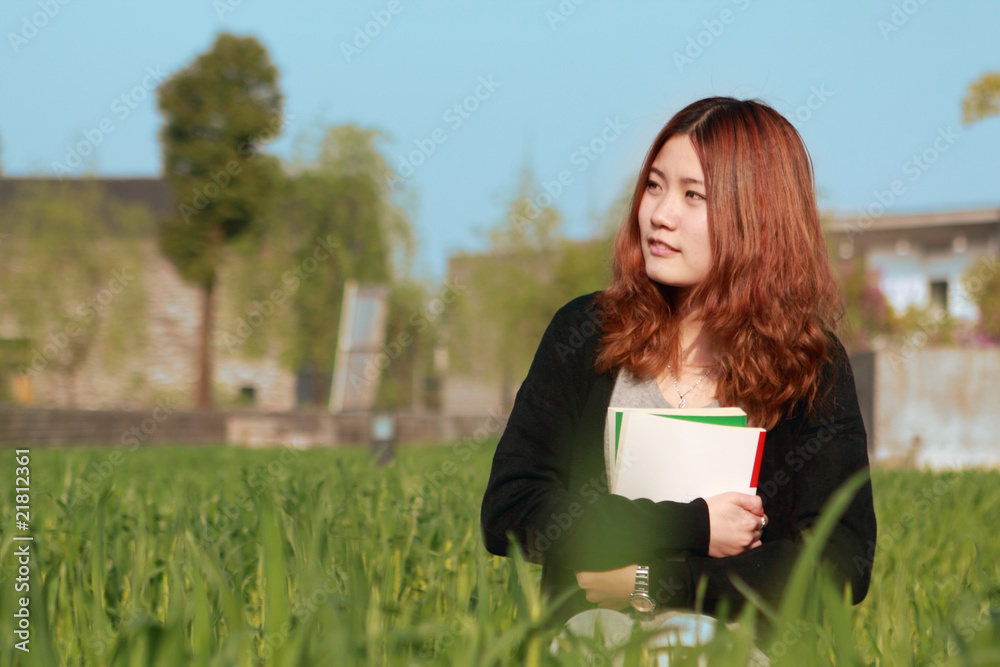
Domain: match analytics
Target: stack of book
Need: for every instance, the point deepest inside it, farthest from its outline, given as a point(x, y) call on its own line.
point(681, 455)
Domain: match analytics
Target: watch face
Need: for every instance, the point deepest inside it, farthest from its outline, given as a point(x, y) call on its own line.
point(642, 603)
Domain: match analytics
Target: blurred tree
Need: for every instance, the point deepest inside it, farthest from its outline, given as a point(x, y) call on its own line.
point(333, 221)
point(527, 273)
point(981, 281)
point(982, 99)
point(411, 335)
point(218, 113)
point(71, 268)
point(868, 314)
point(496, 324)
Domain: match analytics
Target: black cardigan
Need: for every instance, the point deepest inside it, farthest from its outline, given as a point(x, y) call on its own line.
point(548, 486)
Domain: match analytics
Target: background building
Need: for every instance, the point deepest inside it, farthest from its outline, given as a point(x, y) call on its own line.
point(165, 369)
point(920, 259)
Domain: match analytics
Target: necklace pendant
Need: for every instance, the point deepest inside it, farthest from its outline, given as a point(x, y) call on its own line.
point(681, 403)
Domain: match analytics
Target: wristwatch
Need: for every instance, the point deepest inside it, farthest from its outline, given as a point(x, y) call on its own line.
point(640, 599)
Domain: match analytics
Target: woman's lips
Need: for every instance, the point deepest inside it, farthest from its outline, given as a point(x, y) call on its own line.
point(661, 249)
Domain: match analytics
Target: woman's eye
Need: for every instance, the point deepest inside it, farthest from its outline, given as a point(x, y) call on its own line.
point(651, 184)
point(695, 195)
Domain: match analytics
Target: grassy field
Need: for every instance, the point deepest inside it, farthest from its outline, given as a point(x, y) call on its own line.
point(217, 556)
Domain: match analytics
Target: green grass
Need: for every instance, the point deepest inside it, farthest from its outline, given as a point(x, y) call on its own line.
point(216, 556)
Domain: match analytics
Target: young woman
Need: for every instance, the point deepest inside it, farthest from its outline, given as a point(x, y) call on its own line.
point(723, 295)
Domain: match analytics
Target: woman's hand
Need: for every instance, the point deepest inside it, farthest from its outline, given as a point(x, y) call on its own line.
point(736, 523)
point(610, 589)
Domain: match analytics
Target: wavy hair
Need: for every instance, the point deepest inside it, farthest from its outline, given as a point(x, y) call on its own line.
point(770, 300)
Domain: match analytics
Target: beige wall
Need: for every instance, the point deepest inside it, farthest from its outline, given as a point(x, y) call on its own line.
point(166, 367)
point(938, 407)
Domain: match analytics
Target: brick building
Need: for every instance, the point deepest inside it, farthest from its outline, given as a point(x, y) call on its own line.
point(166, 367)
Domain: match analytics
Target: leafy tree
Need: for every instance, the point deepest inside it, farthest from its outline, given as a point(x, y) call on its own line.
point(218, 113)
point(527, 273)
point(497, 321)
point(982, 99)
point(63, 307)
point(411, 336)
point(868, 314)
point(333, 221)
point(981, 281)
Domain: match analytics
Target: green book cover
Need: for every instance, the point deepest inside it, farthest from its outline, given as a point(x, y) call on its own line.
point(722, 420)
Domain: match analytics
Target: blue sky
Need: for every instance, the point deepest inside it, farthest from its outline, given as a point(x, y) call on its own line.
point(884, 79)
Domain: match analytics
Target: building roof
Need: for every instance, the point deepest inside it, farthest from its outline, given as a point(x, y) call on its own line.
point(842, 223)
point(152, 192)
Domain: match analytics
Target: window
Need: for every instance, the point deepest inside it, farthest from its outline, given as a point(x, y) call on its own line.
point(939, 295)
point(248, 395)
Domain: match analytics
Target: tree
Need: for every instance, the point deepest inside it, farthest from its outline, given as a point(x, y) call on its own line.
point(218, 112)
point(411, 335)
point(982, 99)
point(981, 281)
point(70, 276)
point(332, 221)
point(868, 315)
point(514, 289)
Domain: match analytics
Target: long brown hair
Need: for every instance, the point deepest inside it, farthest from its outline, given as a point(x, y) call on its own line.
point(770, 299)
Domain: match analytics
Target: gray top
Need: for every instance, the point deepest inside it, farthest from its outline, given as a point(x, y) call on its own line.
point(631, 392)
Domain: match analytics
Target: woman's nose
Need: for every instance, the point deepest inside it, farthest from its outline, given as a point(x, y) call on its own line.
point(664, 215)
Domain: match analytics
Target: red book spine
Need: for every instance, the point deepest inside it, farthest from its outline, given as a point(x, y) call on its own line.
point(756, 463)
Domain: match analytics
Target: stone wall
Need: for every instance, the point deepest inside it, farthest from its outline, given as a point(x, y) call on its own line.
point(938, 407)
point(165, 369)
point(166, 424)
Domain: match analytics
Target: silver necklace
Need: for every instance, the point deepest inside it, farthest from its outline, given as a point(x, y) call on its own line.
point(681, 394)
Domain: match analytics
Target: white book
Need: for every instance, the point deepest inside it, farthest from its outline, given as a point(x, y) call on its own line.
point(661, 458)
point(613, 424)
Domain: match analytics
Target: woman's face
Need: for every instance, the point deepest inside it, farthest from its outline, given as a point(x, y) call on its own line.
point(673, 217)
